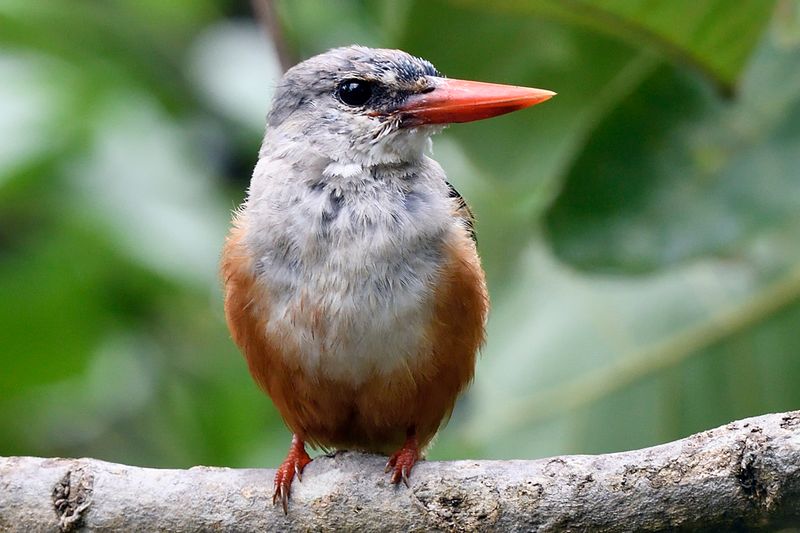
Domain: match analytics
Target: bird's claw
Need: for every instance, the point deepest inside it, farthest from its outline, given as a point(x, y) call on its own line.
point(402, 461)
point(292, 466)
point(281, 493)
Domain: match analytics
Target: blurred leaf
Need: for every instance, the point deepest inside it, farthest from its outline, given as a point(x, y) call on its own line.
point(312, 27)
point(696, 342)
point(164, 211)
point(530, 151)
point(537, 371)
point(241, 89)
point(712, 178)
point(64, 273)
point(26, 104)
point(111, 223)
point(108, 43)
point(715, 36)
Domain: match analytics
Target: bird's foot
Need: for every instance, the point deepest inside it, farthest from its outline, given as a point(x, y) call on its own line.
point(403, 460)
point(296, 460)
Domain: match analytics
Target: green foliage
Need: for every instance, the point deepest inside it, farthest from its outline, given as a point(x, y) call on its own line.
point(711, 35)
point(639, 230)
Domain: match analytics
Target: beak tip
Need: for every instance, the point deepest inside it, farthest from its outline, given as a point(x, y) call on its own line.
point(546, 95)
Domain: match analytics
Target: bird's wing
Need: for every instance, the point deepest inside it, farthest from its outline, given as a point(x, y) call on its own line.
point(463, 212)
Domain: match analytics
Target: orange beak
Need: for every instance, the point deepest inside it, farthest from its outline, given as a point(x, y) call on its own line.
point(464, 101)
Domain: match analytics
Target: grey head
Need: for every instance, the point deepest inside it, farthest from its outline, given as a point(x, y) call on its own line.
point(345, 105)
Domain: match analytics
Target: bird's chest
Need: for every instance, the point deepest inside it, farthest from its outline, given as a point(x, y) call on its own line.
point(350, 274)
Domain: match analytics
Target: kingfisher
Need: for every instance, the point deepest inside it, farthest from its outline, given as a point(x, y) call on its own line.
point(352, 281)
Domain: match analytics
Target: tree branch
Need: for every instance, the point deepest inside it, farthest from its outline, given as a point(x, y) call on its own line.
point(267, 15)
point(742, 475)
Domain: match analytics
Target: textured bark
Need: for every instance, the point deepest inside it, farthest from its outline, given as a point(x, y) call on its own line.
point(745, 475)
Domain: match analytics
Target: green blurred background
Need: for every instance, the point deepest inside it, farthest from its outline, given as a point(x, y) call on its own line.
point(641, 231)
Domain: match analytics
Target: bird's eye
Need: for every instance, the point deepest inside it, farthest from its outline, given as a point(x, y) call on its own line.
point(354, 92)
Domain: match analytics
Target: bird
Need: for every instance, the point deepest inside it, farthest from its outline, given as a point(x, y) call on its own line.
point(351, 278)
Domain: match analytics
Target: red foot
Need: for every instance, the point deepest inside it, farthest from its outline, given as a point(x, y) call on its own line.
point(402, 461)
point(296, 460)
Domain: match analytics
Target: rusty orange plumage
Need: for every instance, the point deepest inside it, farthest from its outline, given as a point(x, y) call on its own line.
point(352, 282)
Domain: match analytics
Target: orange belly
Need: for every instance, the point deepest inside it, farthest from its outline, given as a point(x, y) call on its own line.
point(374, 414)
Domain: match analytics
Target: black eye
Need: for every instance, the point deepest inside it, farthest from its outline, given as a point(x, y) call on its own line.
point(354, 92)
